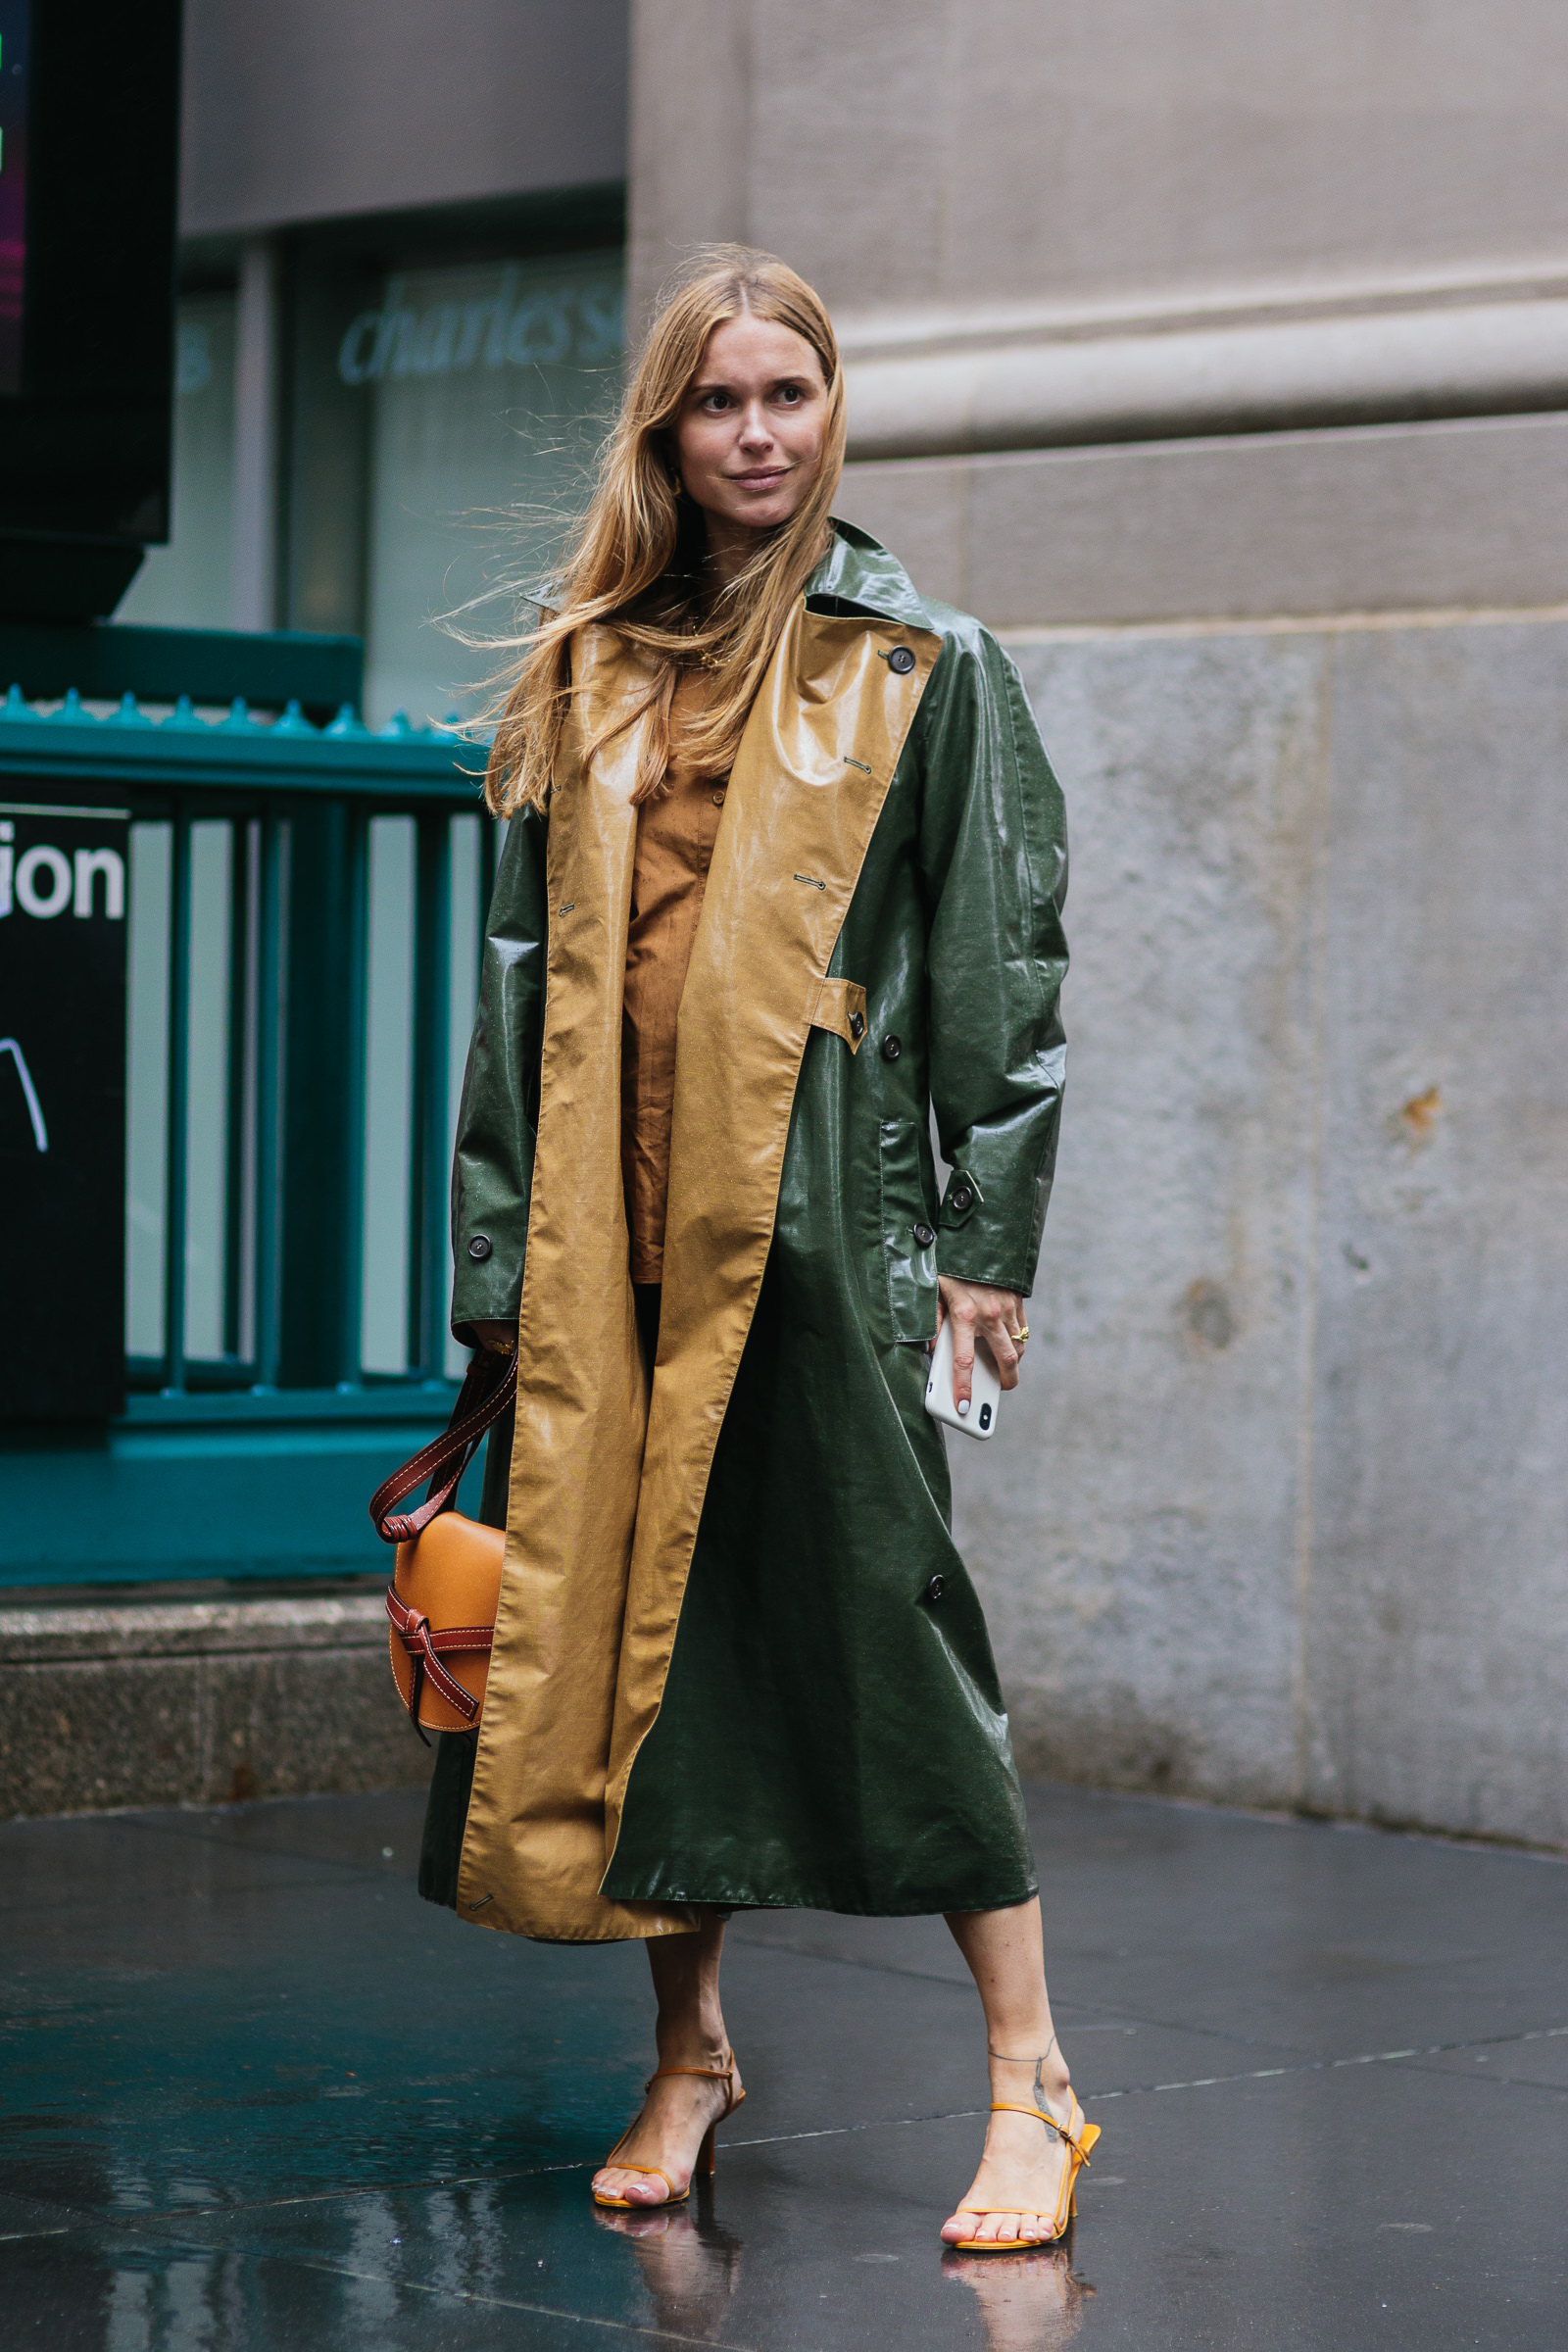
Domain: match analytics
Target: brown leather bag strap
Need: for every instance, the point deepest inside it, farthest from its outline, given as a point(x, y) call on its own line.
point(444, 1461)
point(426, 1648)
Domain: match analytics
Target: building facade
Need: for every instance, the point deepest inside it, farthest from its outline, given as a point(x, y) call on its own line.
point(1216, 356)
point(401, 320)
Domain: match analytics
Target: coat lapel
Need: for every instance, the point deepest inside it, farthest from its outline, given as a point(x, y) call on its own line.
point(535, 1847)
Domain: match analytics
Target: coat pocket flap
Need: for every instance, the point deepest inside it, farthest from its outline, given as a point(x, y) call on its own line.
point(841, 1007)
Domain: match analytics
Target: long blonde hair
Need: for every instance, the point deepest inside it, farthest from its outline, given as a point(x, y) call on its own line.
point(634, 561)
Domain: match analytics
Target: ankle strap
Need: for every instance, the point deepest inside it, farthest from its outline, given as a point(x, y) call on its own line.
point(709, 2073)
point(1010, 2107)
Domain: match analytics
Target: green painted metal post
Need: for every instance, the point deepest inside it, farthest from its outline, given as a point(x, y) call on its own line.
point(177, 1146)
point(270, 996)
point(239, 1141)
point(427, 1285)
point(356, 1142)
point(320, 1217)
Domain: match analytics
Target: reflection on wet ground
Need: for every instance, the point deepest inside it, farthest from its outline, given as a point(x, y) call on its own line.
point(690, 2264)
point(254, 2094)
point(1028, 2302)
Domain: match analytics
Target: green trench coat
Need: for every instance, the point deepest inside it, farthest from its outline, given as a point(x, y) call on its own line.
point(822, 1726)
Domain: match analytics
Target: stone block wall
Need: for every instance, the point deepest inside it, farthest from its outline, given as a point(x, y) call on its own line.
point(1281, 1514)
point(166, 1700)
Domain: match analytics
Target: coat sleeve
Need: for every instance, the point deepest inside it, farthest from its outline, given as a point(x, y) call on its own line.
point(994, 850)
point(492, 1169)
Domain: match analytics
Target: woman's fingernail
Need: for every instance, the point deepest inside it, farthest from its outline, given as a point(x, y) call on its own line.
point(964, 1406)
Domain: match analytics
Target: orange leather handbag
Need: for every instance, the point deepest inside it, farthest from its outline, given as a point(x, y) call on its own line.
point(446, 1588)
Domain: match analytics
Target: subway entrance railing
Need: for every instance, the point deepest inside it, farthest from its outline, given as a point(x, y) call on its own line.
point(305, 906)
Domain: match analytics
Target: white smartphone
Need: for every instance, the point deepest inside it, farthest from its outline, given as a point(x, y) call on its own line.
point(980, 1421)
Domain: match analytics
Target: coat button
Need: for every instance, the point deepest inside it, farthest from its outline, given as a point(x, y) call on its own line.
point(856, 1027)
point(479, 1247)
point(936, 1587)
point(963, 1199)
point(892, 1048)
point(924, 1235)
point(900, 661)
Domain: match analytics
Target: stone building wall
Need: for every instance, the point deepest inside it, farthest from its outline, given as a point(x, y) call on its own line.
point(1219, 357)
point(1279, 1514)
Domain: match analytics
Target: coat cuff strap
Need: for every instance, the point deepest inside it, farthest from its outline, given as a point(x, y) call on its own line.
point(841, 1007)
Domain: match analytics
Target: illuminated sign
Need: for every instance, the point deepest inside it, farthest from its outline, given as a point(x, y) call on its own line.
point(13, 15)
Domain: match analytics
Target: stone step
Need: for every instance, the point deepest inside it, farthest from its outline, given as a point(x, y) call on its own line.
point(169, 1699)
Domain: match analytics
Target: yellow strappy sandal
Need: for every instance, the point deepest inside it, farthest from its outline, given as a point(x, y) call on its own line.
point(1078, 2136)
point(705, 2155)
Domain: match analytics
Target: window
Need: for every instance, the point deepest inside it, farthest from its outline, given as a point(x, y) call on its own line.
point(487, 391)
point(439, 427)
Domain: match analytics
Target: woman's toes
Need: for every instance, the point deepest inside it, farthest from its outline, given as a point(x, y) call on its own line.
point(634, 2186)
point(1033, 2227)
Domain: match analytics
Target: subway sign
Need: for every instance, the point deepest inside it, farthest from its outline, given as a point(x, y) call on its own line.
point(61, 1110)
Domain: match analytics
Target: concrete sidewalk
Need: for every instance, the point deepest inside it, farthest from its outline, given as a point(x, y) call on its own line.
point(256, 2097)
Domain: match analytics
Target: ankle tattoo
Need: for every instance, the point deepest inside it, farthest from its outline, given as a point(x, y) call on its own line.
point(1039, 2078)
point(1039, 2064)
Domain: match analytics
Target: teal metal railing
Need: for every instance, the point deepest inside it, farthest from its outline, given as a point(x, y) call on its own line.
point(305, 910)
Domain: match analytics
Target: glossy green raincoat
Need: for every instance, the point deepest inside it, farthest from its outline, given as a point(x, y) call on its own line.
point(737, 1660)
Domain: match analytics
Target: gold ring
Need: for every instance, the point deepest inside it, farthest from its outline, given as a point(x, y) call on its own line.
point(1019, 1336)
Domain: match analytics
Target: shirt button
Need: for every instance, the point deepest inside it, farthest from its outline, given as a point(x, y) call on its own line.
point(936, 1587)
point(900, 661)
point(479, 1248)
point(892, 1048)
point(925, 1234)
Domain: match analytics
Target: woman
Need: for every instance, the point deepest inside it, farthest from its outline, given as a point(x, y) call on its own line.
point(756, 781)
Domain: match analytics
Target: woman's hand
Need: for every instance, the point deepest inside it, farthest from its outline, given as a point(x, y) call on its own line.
point(980, 1312)
point(496, 1339)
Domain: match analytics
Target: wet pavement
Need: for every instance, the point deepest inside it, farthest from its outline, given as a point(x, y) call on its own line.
point(254, 2094)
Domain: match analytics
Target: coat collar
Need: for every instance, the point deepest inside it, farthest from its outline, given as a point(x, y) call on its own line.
point(858, 570)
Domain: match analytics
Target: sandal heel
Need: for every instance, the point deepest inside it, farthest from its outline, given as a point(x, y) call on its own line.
point(706, 2160)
